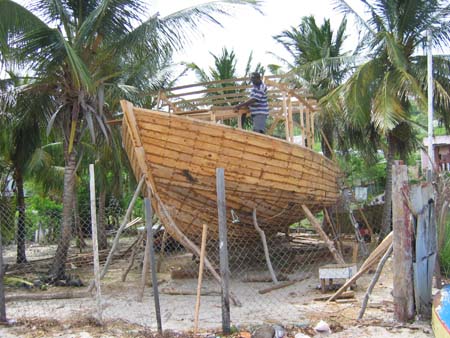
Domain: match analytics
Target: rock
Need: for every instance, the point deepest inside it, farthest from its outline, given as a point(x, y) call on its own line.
point(322, 327)
point(264, 332)
point(280, 332)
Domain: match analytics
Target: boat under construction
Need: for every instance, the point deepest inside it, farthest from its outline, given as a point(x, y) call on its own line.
point(193, 130)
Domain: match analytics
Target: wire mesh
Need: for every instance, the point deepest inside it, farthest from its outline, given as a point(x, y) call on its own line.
point(295, 254)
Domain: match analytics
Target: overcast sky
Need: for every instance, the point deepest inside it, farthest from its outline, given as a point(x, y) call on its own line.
point(249, 31)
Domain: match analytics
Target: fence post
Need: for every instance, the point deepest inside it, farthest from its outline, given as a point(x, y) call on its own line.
point(150, 237)
point(95, 242)
point(403, 290)
point(223, 248)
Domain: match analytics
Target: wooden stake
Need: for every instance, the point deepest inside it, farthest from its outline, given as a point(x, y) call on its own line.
point(136, 247)
point(266, 249)
point(122, 226)
point(323, 235)
point(374, 281)
point(145, 266)
point(98, 296)
point(223, 249)
point(200, 276)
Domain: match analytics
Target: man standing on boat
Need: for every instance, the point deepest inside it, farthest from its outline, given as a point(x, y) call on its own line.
point(257, 103)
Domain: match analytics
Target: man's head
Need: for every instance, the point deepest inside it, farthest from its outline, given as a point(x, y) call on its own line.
point(255, 78)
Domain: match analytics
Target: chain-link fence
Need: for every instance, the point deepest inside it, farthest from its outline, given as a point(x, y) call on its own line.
point(295, 255)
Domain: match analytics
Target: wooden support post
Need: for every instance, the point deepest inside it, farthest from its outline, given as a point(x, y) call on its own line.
point(308, 128)
point(119, 231)
point(223, 247)
point(98, 294)
point(323, 235)
point(335, 233)
point(149, 224)
point(239, 121)
point(266, 249)
point(302, 124)
point(290, 120)
point(286, 117)
point(187, 243)
point(374, 281)
point(162, 254)
point(200, 277)
point(136, 247)
point(145, 266)
point(403, 291)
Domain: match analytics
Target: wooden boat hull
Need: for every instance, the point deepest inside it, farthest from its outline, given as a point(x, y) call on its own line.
point(180, 155)
point(440, 318)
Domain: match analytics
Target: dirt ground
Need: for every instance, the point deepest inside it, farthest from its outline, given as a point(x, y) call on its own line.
point(293, 308)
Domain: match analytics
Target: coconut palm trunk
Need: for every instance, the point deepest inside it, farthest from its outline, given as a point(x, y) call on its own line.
point(57, 269)
point(21, 227)
point(386, 220)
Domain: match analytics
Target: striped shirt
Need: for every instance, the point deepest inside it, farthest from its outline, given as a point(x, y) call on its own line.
point(261, 106)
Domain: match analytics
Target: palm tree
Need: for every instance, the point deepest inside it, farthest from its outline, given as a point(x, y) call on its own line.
point(83, 51)
point(224, 69)
point(383, 91)
point(21, 137)
point(317, 57)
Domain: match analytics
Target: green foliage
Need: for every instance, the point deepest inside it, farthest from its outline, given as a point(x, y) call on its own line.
point(7, 207)
point(445, 255)
point(358, 171)
point(45, 212)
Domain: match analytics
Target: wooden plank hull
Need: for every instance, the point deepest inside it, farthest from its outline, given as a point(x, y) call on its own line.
point(180, 156)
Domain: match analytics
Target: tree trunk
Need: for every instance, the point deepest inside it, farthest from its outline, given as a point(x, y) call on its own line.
point(326, 141)
point(21, 226)
point(386, 221)
point(57, 270)
point(101, 226)
point(76, 217)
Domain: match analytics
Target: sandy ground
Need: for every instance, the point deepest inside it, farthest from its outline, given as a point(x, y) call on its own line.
point(292, 307)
